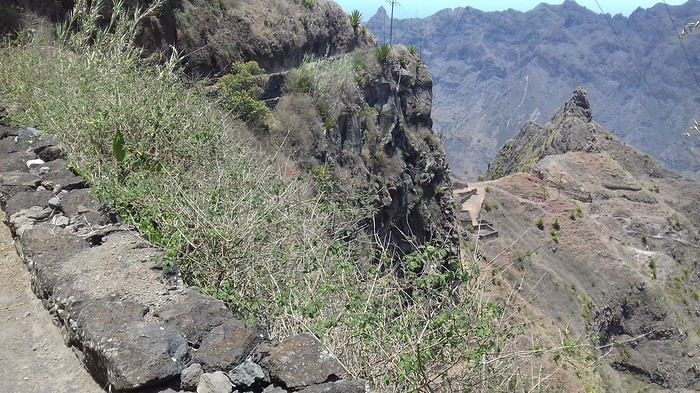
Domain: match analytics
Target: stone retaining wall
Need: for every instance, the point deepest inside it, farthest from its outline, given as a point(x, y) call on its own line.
point(134, 326)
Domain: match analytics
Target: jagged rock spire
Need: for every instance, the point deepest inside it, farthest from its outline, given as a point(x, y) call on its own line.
point(577, 105)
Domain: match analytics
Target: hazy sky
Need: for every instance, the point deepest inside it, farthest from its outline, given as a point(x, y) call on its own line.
point(414, 8)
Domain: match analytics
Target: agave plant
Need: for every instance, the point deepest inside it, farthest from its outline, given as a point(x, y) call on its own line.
point(355, 19)
point(383, 53)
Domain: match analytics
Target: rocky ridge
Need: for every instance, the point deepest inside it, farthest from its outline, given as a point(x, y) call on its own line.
point(277, 34)
point(606, 245)
point(132, 323)
point(494, 71)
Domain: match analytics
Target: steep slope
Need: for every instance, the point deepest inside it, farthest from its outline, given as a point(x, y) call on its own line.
point(606, 243)
point(214, 34)
point(497, 70)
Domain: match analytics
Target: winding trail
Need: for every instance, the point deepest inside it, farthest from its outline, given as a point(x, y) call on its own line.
point(33, 357)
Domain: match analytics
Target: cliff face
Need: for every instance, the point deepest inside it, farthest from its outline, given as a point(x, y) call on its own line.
point(606, 243)
point(213, 35)
point(495, 71)
point(379, 145)
point(415, 205)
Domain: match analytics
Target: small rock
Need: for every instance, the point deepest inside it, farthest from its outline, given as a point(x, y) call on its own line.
point(274, 389)
point(57, 188)
point(41, 188)
point(60, 221)
point(247, 374)
point(216, 382)
point(55, 203)
point(189, 378)
point(44, 170)
point(34, 163)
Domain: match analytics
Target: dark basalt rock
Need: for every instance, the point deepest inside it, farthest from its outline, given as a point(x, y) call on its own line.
point(227, 346)
point(299, 361)
point(337, 387)
point(26, 199)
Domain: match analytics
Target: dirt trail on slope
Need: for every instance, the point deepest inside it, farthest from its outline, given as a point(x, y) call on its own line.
point(33, 358)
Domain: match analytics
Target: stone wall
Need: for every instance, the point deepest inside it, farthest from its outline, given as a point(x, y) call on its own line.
point(134, 325)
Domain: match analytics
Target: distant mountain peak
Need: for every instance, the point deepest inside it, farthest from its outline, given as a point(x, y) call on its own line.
point(381, 12)
point(570, 130)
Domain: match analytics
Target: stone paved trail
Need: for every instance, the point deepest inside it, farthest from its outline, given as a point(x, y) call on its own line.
point(33, 358)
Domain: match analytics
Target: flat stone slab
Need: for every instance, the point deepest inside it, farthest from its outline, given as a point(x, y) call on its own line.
point(26, 199)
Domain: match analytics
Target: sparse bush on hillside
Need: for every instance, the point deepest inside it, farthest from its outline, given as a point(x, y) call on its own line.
point(540, 224)
point(556, 225)
point(330, 83)
point(239, 91)
point(297, 127)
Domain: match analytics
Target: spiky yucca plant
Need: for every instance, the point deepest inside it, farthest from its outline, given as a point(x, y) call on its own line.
point(355, 19)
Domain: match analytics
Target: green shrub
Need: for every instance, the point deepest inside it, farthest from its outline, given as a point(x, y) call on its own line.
point(247, 77)
point(556, 225)
point(382, 53)
point(413, 50)
point(540, 224)
point(330, 83)
point(355, 19)
point(652, 266)
point(239, 92)
point(310, 4)
point(555, 236)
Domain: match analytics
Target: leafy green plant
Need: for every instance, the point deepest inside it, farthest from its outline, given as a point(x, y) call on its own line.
point(413, 50)
point(555, 236)
point(382, 53)
point(239, 92)
point(556, 225)
point(355, 19)
point(540, 224)
point(310, 4)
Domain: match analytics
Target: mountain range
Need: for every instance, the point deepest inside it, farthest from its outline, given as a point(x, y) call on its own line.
point(494, 71)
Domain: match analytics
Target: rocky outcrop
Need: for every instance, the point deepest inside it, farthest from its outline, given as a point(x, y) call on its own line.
point(132, 323)
point(571, 129)
point(382, 147)
point(604, 241)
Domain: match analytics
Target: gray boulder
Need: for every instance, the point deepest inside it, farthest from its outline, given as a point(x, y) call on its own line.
point(216, 382)
point(299, 361)
point(26, 199)
point(274, 389)
point(189, 378)
point(227, 346)
point(247, 374)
